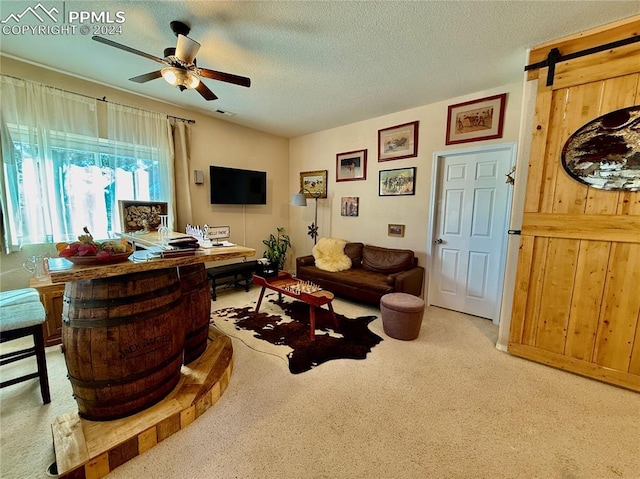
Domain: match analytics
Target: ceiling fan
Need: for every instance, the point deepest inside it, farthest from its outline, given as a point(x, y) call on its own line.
point(181, 69)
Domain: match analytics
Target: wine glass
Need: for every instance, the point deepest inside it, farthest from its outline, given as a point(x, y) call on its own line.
point(163, 229)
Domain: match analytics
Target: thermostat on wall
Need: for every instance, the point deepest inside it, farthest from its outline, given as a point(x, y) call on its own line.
point(198, 177)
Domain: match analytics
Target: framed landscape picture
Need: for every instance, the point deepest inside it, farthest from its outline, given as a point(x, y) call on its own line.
point(351, 166)
point(314, 183)
point(395, 230)
point(397, 182)
point(396, 142)
point(476, 120)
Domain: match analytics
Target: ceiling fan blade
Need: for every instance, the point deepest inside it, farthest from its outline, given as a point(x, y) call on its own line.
point(205, 92)
point(111, 43)
point(147, 77)
point(187, 49)
point(226, 77)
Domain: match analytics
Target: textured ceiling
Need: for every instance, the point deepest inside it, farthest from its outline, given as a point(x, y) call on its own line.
point(314, 65)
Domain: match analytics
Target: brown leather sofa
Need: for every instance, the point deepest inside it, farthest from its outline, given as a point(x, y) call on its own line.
point(374, 272)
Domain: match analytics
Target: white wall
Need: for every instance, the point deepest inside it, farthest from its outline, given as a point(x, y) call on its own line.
point(213, 142)
point(318, 152)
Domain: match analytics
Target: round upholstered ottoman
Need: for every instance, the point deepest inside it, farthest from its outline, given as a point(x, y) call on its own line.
point(401, 315)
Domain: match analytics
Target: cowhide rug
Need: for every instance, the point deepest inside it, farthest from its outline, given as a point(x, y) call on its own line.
point(283, 330)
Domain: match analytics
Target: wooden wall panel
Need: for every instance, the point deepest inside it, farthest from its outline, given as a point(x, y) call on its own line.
point(536, 169)
point(557, 289)
point(591, 271)
point(522, 287)
point(619, 313)
point(532, 311)
point(577, 302)
point(598, 66)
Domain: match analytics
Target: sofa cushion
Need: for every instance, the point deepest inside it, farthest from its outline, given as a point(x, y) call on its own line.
point(354, 251)
point(329, 255)
point(356, 278)
point(386, 260)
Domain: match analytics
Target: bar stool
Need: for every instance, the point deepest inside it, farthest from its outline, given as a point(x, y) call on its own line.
point(22, 314)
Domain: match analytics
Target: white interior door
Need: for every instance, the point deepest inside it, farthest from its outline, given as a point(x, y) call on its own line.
point(472, 205)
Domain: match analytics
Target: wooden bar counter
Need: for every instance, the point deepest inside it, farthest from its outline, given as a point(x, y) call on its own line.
point(201, 256)
point(128, 327)
point(135, 334)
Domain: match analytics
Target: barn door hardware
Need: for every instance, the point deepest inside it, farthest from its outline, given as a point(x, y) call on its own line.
point(554, 56)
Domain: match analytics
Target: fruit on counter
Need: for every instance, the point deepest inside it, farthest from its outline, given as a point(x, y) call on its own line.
point(86, 246)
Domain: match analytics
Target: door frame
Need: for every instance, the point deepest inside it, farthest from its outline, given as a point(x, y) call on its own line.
point(436, 170)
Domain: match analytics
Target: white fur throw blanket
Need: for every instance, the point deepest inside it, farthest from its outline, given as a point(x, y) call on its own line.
point(329, 255)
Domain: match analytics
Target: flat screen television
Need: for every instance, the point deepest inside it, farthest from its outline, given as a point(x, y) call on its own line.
point(233, 186)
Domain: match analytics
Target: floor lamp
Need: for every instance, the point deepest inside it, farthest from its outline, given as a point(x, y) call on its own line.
point(300, 199)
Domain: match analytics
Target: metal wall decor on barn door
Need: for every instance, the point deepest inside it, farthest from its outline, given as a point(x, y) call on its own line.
point(605, 153)
point(472, 207)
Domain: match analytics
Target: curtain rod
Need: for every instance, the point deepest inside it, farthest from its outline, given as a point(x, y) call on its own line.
point(186, 120)
point(103, 99)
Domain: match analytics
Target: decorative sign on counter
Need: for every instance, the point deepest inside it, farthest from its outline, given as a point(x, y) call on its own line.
point(207, 233)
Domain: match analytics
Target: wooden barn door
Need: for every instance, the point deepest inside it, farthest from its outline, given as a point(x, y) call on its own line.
point(577, 299)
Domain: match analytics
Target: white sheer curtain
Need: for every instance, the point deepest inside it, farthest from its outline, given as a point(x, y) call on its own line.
point(135, 134)
point(45, 132)
point(181, 158)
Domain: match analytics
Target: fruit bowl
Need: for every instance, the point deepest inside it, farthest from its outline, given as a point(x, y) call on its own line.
point(96, 260)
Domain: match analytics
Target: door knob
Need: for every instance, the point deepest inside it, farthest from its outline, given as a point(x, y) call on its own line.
point(438, 241)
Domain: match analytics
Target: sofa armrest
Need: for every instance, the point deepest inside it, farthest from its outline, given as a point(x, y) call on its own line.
point(308, 260)
point(409, 281)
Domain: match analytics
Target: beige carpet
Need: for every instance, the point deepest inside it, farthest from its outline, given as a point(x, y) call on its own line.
point(447, 405)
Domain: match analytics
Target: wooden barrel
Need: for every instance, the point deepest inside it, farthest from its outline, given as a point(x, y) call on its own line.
point(123, 341)
point(195, 309)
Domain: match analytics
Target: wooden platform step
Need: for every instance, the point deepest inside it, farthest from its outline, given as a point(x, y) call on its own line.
point(90, 450)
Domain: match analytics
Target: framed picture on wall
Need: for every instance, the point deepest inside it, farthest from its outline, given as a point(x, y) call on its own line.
point(396, 142)
point(351, 166)
point(395, 230)
point(314, 183)
point(476, 120)
point(397, 182)
point(349, 205)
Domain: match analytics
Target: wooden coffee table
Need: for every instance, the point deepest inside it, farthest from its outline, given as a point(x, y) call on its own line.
point(285, 284)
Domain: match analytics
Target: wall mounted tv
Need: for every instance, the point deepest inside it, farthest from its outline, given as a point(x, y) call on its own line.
point(233, 186)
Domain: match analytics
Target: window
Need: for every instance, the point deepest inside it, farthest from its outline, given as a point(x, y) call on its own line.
point(85, 182)
point(60, 175)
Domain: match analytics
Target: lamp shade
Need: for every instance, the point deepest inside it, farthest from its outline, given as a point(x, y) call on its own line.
point(298, 199)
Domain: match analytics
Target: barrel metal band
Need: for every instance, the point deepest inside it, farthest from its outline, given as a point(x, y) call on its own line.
point(122, 301)
point(103, 383)
point(118, 320)
point(197, 331)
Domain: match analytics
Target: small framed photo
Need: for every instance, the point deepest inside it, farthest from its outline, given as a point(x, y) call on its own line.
point(141, 215)
point(476, 120)
point(349, 206)
point(395, 230)
point(397, 182)
point(351, 166)
point(396, 142)
point(314, 183)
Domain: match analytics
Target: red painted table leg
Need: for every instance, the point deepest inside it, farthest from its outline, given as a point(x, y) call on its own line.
point(260, 299)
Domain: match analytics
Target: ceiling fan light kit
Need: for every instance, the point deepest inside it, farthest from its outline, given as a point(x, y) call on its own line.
point(180, 68)
point(179, 77)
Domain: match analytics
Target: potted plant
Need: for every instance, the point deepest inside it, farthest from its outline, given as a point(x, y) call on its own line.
point(276, 251)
